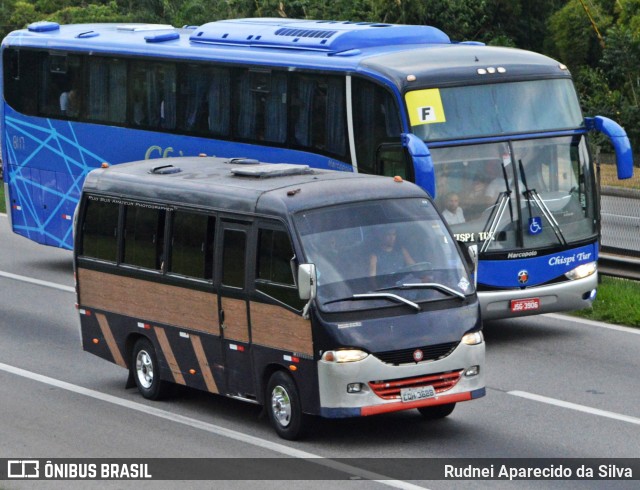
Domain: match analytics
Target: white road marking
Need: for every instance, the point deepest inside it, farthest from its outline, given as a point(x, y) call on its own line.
point(575, 406)
point(212, 428)
point(39, 282)
point(608, 326)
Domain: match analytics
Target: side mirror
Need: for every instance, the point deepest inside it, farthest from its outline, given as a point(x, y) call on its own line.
point(307, 281)
point(619, 140)
point(470, 253)
point(422, 162)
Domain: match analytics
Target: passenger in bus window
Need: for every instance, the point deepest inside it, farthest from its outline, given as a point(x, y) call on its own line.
point(69, 102)
point(389, 256)
point(452, 212)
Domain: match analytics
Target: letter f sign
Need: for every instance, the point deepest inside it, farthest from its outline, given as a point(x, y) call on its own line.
point(427, 114)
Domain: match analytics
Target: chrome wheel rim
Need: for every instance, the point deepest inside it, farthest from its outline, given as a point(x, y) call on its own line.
point(281, 406)
point(144, 369)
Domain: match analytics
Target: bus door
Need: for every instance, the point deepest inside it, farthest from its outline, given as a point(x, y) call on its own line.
point(233, 307)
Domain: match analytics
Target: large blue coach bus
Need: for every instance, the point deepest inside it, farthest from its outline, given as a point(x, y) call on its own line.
point(496, 135)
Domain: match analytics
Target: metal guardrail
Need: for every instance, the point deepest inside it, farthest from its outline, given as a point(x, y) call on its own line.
point(619, 266)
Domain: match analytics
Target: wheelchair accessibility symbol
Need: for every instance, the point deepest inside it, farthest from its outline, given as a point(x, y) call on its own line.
point(535, 225)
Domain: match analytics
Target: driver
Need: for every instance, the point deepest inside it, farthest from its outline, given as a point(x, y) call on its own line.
point(389, 256)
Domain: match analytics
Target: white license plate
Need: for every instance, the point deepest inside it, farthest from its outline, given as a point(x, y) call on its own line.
point(528, 304)
point(414, 394)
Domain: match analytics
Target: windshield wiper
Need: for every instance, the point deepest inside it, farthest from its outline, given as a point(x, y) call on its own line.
point(494, 219)
point(530, 194)
point(427, 285)
point(387, 296)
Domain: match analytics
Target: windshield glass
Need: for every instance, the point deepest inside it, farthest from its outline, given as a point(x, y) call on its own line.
point(530, 193)
point(496, 109)
point(384, 248)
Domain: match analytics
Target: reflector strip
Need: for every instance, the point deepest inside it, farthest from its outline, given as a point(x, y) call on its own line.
point(291, 358)
point(204, 364)
point(146, 326)
point(239, 348)
point(67, 217)
point(17, 208)
point(84, 312)
point(168, 355)
point(111, 342)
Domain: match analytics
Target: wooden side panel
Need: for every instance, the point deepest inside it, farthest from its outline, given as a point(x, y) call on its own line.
point(274, 326)
point(169, 356)
point(205, 368)
point(236, 325)
point(150, 301)
point(111, 341)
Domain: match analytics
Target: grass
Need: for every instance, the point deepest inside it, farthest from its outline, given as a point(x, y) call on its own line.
point(609, 177)
point(616, 302)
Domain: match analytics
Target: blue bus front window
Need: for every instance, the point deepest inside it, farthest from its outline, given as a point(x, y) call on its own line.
point(494, 109)
point(531, 193)
point(379, 246)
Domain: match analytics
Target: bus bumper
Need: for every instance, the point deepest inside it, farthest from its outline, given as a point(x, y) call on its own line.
point(380, 383)
point(563, 296)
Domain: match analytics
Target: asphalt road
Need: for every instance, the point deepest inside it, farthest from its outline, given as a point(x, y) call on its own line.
point(557, 387)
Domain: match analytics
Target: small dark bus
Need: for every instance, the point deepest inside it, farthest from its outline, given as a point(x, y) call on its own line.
point(309, 292)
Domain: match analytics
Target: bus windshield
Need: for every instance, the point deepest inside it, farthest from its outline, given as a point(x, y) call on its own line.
point(495, 109)
point(381, 254)
point(528, 193)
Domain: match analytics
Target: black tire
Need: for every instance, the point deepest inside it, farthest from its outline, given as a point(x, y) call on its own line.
point(283, 406)
point(437, 411)
point(146, 371)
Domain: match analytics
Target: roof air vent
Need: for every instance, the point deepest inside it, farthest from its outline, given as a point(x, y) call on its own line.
point(269, 170)
point(165, 170)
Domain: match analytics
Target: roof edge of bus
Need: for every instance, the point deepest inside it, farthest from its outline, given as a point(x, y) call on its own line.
point(317, 35)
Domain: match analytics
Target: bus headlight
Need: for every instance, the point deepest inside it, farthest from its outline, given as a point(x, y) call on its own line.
point(346, 355)
point(582, 271)
point(473, 338)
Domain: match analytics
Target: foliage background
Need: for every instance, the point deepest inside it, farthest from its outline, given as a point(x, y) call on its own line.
point(599, 40)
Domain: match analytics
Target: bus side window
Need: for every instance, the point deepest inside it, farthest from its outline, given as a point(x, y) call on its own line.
point(376, 121)
point(21, 91)
point(205, 100)
point(318, 117)
point(192, 245)
point(152, 91)
point(107, 96)
point(274, 276)
point(99, 234)
point(234, 245)
point(144, 237)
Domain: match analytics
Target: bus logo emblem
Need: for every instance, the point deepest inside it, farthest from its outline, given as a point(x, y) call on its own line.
point(523, 276)
point(418, 355)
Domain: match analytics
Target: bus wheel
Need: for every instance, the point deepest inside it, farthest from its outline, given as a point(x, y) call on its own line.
point(146, 370)
point(437, 411)
point(283, 405)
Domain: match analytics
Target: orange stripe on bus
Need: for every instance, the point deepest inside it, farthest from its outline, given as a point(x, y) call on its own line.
point(111, 341)
point(204, 364)
point(168, 355)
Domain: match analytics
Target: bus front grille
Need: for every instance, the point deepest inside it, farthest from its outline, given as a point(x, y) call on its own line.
point(406, 356)
point(390, 389)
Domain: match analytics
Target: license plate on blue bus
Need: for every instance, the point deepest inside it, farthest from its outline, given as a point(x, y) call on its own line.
point(518, 305)
point(414, 394)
